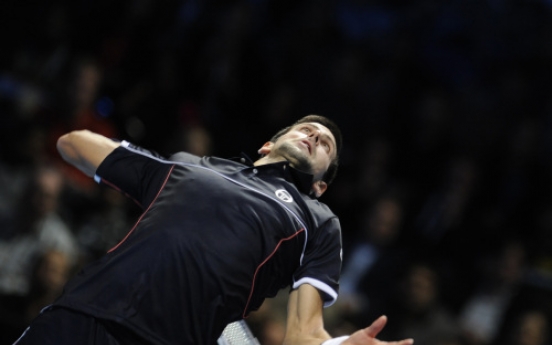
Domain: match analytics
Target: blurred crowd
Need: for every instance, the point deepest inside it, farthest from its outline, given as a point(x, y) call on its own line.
point(443, 191)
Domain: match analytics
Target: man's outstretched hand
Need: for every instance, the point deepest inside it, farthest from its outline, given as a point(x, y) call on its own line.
point(367, 336)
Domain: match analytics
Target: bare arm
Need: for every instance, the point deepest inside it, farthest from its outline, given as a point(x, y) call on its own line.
point(85, 150)
point(305, 323)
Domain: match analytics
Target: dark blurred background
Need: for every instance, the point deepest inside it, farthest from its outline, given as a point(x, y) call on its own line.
point(443, 191)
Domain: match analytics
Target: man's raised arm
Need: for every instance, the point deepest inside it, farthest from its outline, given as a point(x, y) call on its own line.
point(85, 150)
point(305, 323)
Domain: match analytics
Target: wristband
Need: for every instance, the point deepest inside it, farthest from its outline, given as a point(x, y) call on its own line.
point(335, 341)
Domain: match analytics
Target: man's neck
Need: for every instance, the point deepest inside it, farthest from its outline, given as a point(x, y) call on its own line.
point(268, 160)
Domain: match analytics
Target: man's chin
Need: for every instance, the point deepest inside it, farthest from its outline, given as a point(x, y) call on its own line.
point(301, 165)
point(297, 158)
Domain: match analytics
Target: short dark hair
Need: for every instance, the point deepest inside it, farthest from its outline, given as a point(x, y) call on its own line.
point(331, 173)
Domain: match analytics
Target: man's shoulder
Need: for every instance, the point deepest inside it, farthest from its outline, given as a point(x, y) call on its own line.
point(184, 157)
point(316, 203)
point(321, 212)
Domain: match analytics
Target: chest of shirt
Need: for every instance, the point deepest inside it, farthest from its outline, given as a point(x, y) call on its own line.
point(250, 195)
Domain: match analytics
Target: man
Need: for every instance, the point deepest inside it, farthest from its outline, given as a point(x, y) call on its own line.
point(217, 236)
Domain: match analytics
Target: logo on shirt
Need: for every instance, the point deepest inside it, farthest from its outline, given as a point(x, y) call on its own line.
point(283, 195)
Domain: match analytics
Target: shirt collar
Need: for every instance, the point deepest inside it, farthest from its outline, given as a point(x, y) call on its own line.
point(302, 180)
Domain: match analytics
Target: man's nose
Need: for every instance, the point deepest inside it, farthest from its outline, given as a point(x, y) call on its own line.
point(315, 134)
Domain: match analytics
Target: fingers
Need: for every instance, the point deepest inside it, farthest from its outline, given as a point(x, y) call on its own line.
point(363, 336)
point(377, 326)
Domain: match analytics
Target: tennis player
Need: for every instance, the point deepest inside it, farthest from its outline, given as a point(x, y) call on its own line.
point(217, 236)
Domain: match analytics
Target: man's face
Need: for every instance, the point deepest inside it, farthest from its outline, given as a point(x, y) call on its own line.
point(309, 147)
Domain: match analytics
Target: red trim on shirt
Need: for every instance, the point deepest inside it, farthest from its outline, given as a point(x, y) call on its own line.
point(264, 262)
point(104, 181)
point(143, 214)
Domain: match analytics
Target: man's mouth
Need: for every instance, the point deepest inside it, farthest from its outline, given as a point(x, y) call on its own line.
point(307, 144)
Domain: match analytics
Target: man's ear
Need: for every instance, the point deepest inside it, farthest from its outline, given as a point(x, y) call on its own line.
point(266, 148)
point(319, 187)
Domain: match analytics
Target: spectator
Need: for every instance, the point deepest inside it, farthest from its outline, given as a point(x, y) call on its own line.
point(374, 261)
point(50, 273)
point(500, 279)
point(419, 310)
point(81, 110)
point(37, 228)
point(533, 328)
